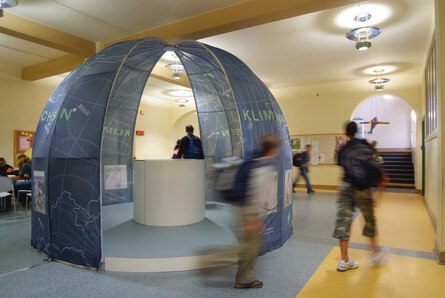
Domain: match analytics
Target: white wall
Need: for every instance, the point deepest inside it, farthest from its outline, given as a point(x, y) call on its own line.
point(387, 108)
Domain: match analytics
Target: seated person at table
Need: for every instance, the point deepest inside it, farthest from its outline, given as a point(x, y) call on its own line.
point(6, 169)
point(24, 164)
point(190, 146)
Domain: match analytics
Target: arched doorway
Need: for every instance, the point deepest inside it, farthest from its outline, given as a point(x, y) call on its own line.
point(390, 121)
point(396, 128)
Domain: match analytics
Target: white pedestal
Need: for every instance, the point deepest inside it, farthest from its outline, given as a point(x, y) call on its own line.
point(169, 192)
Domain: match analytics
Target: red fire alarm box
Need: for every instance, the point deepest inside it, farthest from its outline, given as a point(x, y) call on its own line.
point(139, 132)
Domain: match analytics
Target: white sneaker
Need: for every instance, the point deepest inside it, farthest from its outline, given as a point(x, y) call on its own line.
point(380, 257)
point(344, 266)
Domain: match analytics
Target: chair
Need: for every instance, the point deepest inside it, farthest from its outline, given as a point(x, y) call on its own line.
point(26, 192)
point(6, 188)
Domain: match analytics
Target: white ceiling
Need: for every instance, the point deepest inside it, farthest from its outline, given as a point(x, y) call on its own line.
point(308, 49)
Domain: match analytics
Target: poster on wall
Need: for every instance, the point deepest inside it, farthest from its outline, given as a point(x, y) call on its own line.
point(23, 141)
point(39, 192)
point(288, 188)
point(314, 152)
point(296, 143)
point(340, 141)
point(115, 177)
point(268, 202)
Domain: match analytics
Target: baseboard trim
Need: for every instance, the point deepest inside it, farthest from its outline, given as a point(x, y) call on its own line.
point(319, 186)
point(440, 255)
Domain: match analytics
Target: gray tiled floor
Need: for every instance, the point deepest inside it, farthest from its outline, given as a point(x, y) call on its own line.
point(284, 271)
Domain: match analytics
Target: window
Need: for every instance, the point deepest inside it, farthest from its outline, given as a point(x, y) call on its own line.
point(431, 92)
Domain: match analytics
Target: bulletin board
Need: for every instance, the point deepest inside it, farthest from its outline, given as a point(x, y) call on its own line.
point(325, 147)
point(23, 140)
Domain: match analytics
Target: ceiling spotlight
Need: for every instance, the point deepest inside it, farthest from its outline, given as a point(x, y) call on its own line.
point(177, 70)
point(379, 81)
point(362, 35)
point(181, 106)
point(379, 87)
point(181, 100)
point(363, 45)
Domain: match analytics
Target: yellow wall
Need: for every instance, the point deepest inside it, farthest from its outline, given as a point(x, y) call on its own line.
point(21, 104)
point(440, 72)
point(163, 124)
point(320, 109)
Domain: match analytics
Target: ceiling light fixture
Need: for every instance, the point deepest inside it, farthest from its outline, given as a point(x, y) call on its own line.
point(363, 35)
point(7, 4)
point(181, 100)
point(181, 106)
point(375, 69)
point(177, 70)
point(181, 93)
point(379, 81)
point(362, 17)
point(347, 17)
point(379, 87)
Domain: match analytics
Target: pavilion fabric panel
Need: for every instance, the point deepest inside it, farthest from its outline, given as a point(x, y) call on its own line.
point(87, 129)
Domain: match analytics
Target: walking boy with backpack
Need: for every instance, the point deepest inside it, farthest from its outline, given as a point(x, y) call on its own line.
point(190, 146)
point(301, 160)
point(361, 172)
point(247, 184)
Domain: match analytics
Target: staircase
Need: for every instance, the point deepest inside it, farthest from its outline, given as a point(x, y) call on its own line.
point(399, 167)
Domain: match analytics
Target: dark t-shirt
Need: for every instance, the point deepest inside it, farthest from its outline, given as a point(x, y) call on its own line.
point(7, 170)
point(305, 157)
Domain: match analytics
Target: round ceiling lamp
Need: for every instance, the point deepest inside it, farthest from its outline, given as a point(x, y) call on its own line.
point(177, 70)
point(181, 93)
point(181, 100)
point(379, 69)
point(363, 35)
point(349, 17)
point(7, 4)
point(379, 81)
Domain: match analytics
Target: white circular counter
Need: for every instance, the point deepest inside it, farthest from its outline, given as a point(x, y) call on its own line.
point(169, 192)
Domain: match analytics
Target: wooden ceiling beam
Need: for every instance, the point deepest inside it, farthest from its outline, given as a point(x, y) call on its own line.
point(239, 16)
point(52, 67)
point(67, 63)
point(31, 31)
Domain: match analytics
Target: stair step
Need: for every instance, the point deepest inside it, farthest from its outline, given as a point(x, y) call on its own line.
point(399, 170)
point(401, 185)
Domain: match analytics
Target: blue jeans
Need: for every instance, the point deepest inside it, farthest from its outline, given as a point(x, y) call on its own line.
point(304, 174)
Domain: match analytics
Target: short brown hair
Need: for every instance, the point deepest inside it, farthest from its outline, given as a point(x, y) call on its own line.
point(189, 128)
point(270, 141)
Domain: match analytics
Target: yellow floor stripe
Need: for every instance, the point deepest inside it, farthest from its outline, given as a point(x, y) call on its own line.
point(402, 222)
point(401, 276)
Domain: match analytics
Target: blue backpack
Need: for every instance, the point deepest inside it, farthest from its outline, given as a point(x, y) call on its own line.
point(233, 177)
point(195, 148)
